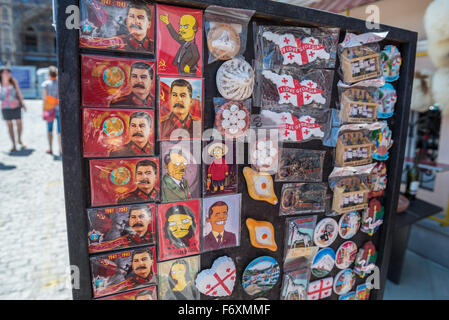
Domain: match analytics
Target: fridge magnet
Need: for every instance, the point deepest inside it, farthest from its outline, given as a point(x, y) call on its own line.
point(121, 227)
point(123, 270)
point(226, 31)
point(366, 258)
point(147, 293)
point(354, 147)
point(176, 279)
point(296, 50)
point(349, 296)
point(377, 180)
point(180, 108)
point(264, 154)
point(118, 132)
point(295, 125)
point(320, 289)
point(117, 25)
point(295, 88)
point(178, 229)
point(300, 165)
point(261, 234)
point(323, 262)
point(260, 276)
point(219, 280)
point(294, 285)
point(372, 218)
point(221, 222)
point(391, 61)
point(386, 98)
point(278, 46)
point(232, 118)
point(260, 186)
point(299, 248)
point(180, 171)
point(235, 79)
point(219, 168)
point(381, 134)
point(346, 254)
point(325, 232)
point(180, 50)
point(301, 198)
point(117, 82)
point(360, 56)
point(124, 181)
point(350, 194)
point(344, 281)
point(358, 105)
point(362, 292)
point(349, 224)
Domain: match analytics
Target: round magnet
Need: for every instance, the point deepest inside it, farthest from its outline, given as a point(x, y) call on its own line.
point(323, 262)
point(346, 254)
point(349, 224)
point(325, 232)
point(344, 281)
point(260, 275)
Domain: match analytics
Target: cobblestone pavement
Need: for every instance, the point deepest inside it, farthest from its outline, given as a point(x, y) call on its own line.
point(33, 253)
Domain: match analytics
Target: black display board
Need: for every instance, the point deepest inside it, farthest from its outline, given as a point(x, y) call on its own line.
point(76, 168)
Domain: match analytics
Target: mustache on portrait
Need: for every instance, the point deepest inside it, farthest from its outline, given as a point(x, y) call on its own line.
point(136, 26)
point(178, 105)
point(141, 267)
point(143, 181)
point(138, 134)
point(137, 224)
point(138, 85)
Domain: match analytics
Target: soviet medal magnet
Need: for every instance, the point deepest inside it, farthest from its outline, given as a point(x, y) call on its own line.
point(260, 276)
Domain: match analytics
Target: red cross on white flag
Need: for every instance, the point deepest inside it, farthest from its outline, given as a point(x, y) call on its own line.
point(320, 289)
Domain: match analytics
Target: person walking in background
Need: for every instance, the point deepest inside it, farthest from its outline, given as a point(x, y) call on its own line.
point(11, 100)
point(51, 106)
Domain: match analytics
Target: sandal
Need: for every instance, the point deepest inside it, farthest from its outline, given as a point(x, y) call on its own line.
point(49, 152)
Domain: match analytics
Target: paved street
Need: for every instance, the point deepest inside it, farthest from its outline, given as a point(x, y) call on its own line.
point(33, 256)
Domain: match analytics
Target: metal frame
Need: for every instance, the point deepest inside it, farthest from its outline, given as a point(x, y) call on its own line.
point(75, 168)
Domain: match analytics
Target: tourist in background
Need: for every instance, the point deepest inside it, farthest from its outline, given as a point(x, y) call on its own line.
point(51, 106)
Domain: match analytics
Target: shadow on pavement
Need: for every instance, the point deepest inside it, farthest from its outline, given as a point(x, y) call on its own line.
point(21, 153)
point(4, 167)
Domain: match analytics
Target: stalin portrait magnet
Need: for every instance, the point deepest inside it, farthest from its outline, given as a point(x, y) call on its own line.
point(179, 41)
point(117, 82)
point(118, 132)
point(123, 270)
point(121, 227)
point(117, 25)
point(124, 181)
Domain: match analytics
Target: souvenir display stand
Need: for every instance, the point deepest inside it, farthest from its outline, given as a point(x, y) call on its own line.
point(78, 170)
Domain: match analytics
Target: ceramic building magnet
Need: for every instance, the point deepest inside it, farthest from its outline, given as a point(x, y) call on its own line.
point(391, 61)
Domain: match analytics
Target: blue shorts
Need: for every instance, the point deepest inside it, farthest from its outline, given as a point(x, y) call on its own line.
point(58, 122)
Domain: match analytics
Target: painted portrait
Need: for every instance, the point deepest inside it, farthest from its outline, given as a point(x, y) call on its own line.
point(117, 25)
point(178, 229)
point(221, 222)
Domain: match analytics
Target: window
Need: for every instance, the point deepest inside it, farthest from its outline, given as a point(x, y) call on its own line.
point(30, 40)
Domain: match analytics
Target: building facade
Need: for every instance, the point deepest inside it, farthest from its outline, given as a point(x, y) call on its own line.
point(27, 36)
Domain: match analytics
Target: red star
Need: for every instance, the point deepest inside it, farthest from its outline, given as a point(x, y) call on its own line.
point(286, 40)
